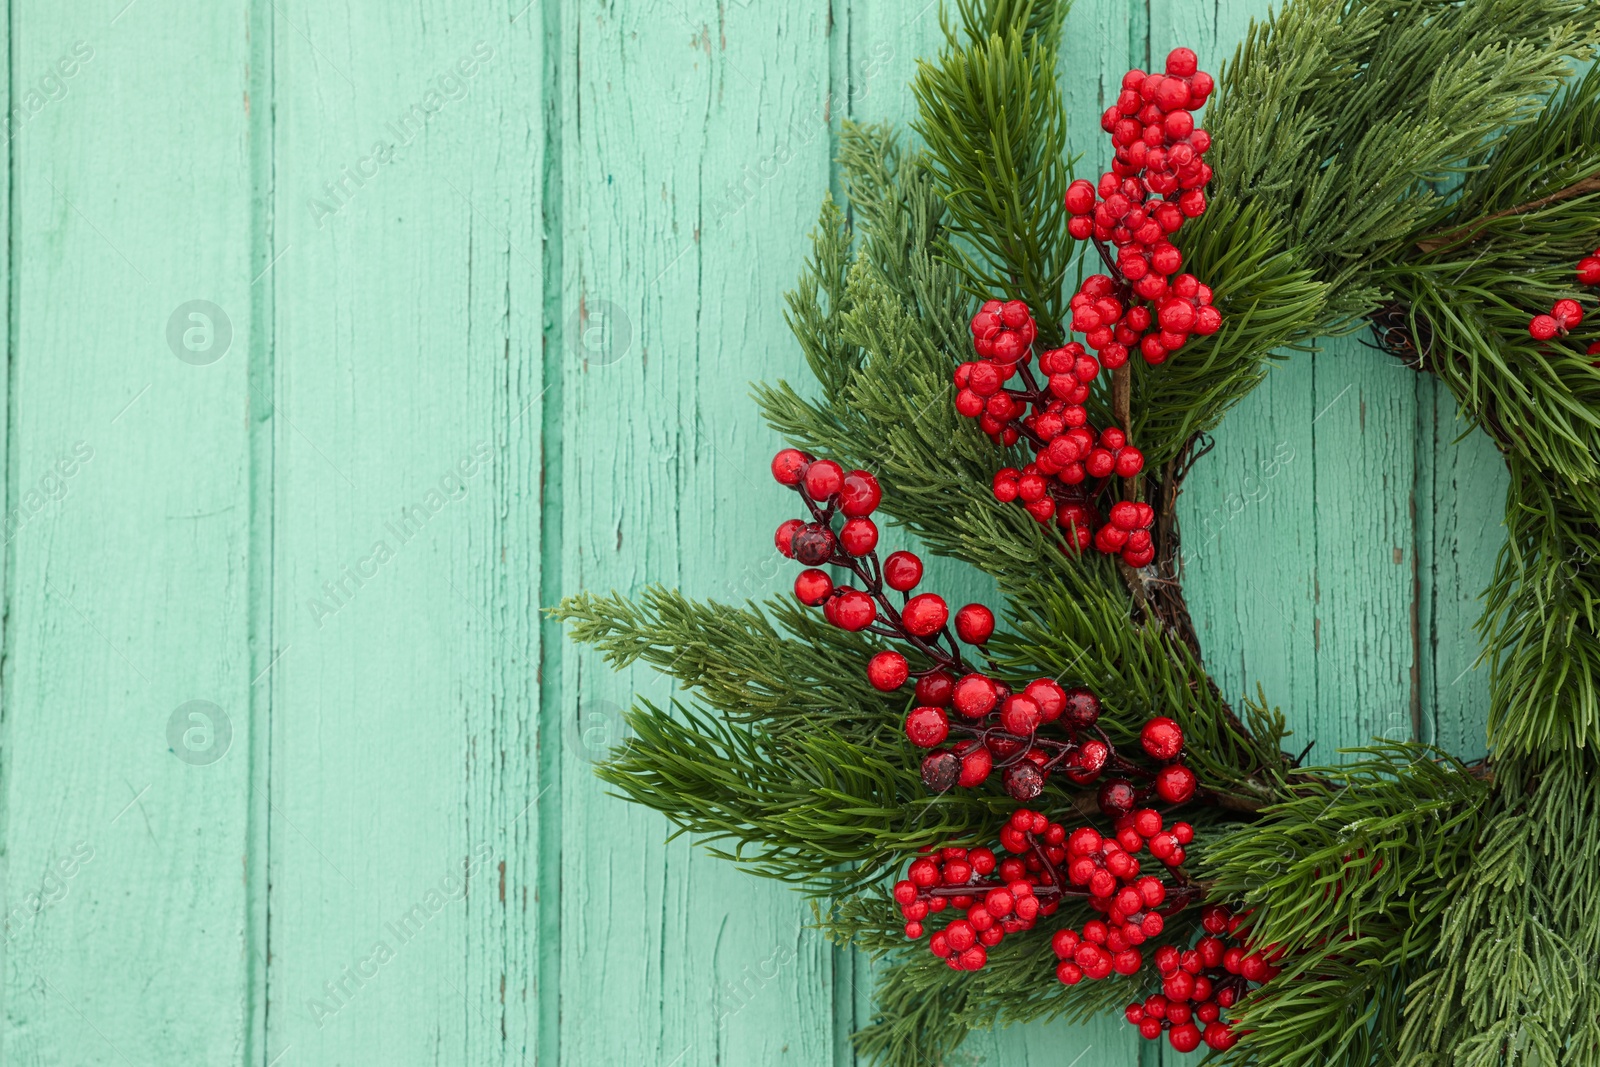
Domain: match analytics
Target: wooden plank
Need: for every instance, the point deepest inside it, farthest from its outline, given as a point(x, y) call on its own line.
point(127, 530)
point(695, 149)
point(407, 366)
point(1461, 508)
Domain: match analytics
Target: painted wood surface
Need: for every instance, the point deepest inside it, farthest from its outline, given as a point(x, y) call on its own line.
point(342, 339)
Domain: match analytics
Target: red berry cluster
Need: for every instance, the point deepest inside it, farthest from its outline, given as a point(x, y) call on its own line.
point(1198, 984)
point(1070, 452)
point(1001, 730)
point(830, 493)
point(1159, 153)
point(999, 727)
point(958, 878)
point(1565, 315)
point(1130, 901)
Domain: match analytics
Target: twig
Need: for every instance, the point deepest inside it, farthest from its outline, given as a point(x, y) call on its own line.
point(1469, 232)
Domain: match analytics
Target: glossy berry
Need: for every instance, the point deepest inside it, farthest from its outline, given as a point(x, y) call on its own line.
point(935, 688)
point(812, 587)
point(858, 536)
point(902, 571)
point(823, 479)
point(974, 624)
point(1162, 738)
point(861, 494)
point(1176, 783)
point(784, 538)
point(789, 466)
point(1543, 327)
point(1019, 715)
point(974, 696)
point(852, 610)
point(888, 671)
point(1184, 1038)
point(927, 727)
point(925, 614)
point(1568, 313)
point(976, 763)
point(1589, 270)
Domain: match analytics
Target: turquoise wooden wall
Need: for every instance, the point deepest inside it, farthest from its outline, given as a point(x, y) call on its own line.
point(294, 771)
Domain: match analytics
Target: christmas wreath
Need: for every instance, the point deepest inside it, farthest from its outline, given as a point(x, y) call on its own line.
point(1058, 813)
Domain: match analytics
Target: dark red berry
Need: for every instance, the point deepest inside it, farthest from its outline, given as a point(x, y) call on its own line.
point(789, 466)
point(974, 624)
point(1116, 797)
point(940, 769)
point(888, 671)
point(902, 571)
point(814, 544)
point(925, 614)
point(1023, 781)
point(1162, 738)
point(812, 587)
point(1082, 709)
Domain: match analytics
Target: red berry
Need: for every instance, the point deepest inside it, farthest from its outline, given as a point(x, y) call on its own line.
point(1176, 783)
point(858, 536)
point(1220, 1037)
point(1588, 270)
point(1147, 821)
point(1568, 313)
point(974, 696)
point(784, 538)
point(812, 587)
point(789, 466)
point(861, 494)
point(1019, 715)
point(976, 763)
point(1162, 738)
point(1182, 62)
point(1080, 197)
point(902, 571)
point(974, 624)
point(823, 479)
point(927, 726)
point(925, 614)
point(935, 688)
point(1049, 696)
point(888, 671)
point(1543, 327)
point(853, 610)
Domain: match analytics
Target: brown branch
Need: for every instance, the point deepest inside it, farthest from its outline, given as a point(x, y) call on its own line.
point(1469, 232)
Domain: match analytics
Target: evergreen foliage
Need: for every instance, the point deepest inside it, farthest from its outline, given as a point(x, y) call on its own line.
point(1412, 163)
